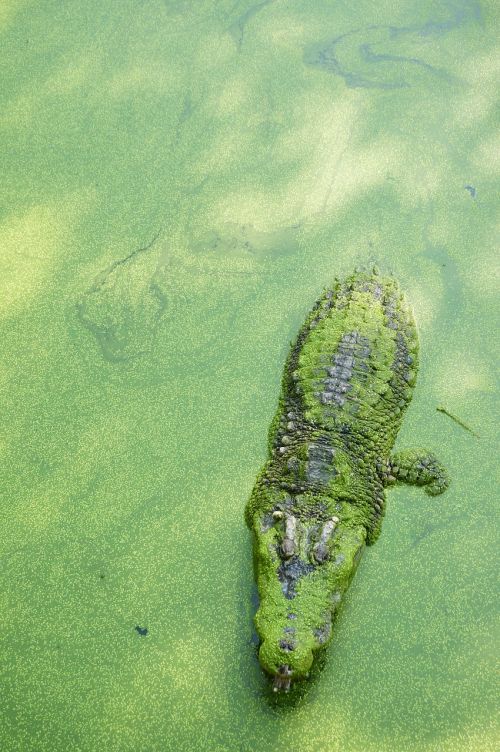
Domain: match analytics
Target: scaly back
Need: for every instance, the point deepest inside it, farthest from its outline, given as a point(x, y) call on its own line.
point(354, 363)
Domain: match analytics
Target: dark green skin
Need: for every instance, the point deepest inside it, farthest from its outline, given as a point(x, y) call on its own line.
point(320, 498)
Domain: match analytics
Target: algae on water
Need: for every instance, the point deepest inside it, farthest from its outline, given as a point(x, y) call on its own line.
point(124, 305)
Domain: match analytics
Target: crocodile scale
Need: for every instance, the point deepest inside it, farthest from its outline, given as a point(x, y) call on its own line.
point(320, 497)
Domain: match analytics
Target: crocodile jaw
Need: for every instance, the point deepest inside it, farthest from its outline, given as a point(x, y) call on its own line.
point(285, 667)
point(299, 599)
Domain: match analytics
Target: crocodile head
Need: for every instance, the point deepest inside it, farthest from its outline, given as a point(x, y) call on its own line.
point(303, 567)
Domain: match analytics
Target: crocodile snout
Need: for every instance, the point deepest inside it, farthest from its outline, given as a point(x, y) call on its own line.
point(285, 663)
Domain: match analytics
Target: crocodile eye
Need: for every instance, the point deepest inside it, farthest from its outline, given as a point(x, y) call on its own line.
point(288, 548)
point(289, 544)
point(321, 552)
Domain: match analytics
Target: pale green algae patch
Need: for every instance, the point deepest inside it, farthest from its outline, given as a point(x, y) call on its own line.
point(205, 121)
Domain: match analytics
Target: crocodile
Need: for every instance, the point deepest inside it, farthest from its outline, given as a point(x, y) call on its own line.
point(320, 496)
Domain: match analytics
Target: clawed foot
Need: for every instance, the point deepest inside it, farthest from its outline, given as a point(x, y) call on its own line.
point(417, 467)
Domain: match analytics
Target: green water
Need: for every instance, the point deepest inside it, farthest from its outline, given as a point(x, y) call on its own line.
point(179, 182)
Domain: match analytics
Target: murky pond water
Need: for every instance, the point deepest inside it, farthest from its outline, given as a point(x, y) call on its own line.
point(179, 182)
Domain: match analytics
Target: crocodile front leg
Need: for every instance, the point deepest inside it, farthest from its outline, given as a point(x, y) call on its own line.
point(417, 467)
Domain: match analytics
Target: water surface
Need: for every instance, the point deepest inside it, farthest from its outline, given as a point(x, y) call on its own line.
point(179, 182)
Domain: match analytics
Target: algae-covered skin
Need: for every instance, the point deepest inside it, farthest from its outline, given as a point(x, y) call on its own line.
point(320, 497)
